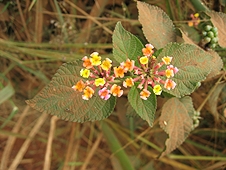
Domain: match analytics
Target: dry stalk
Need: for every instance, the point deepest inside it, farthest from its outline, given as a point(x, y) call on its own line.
point(11, 140)
point(27, 142)
point(47, 162)
point(91, 153)
point(70, 146)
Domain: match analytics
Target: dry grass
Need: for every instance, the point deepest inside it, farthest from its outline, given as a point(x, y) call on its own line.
point(36, 37)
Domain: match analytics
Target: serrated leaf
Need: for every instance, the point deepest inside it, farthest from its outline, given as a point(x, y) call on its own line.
point(193, 64)
point(219, 20)
point(213, 101)
point(125, 44)
point(144, 108)
point(216, 63)
point(176, 121)
point(58, 98)
point(185, 38)
point(157, 26)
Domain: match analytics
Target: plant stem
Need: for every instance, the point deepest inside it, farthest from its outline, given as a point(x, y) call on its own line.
point(116, 147)
point(199, 5)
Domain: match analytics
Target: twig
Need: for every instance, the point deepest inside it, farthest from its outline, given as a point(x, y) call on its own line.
point(11, 140)
point(23, 20)
point(91, 153)
point(27, 142)
point(70, 146)
point(47, 161)
point(88, 16)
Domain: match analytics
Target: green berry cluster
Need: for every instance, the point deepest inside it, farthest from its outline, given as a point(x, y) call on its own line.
point(196, 118)
point(210, 36)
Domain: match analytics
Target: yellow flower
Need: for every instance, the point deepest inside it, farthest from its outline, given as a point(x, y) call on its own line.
point(88, 93)
point(119, 71)
point(99, 82)
point(169, 73)
point(167, 60)
point(144, 94)
point(196, 15)
point(128, 82)
point(80, 85)
point(157, 89)
point(106, 64)
point(85, 73)
point(144, 60)
point(116, 90)
point(96, 59)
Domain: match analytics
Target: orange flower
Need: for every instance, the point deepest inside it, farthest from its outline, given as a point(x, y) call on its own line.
point(86, 62)
point(167, 60)
point(88, 93)
point(116, 90)
point(80, 85)
point(169, 84)
point(128, 65)
point(119, 71)
point(148, 51)
point(144, 94)
point(128, 82)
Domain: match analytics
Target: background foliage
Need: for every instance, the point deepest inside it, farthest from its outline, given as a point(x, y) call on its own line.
point(38, 36)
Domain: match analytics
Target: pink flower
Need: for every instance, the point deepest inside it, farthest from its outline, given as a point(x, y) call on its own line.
point(104, 93)
point(171, 67)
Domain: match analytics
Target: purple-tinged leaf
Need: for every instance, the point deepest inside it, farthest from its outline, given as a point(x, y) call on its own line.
point(219, 20)
point(157, 26)
point(176, 121)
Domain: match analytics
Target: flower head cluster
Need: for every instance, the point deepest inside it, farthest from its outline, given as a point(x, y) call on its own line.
point(195, 20)
point(103, 77)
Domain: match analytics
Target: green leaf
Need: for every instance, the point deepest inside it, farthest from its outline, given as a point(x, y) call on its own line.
point(125, 45)
point(8, 90)
point(58, 98)
point(157, 26)
point(144, 108)
point(176, 121)
point(219, 20)
point(193, 64)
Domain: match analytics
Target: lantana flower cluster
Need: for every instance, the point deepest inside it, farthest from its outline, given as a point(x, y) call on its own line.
point(195, 20)
point(108, 80)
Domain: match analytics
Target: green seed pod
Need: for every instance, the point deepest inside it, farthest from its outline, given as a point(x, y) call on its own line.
point(212, 45)
point(204, 33)
point(214, 29)
point(207, 27)
point(214, 40)
point(210, 34)
point(207, 39)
